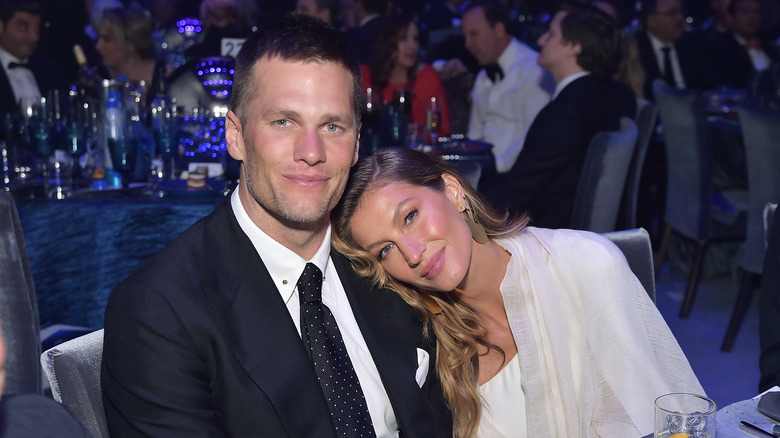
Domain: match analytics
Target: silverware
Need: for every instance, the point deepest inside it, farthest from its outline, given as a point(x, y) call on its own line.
point(755, 430)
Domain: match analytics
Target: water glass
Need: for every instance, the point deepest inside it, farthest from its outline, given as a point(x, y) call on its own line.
point(684, 415)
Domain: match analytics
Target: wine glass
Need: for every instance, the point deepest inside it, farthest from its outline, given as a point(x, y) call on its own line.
point(124, 151)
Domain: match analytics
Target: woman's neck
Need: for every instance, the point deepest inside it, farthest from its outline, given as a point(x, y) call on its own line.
point(137, 69)
point(482, 285)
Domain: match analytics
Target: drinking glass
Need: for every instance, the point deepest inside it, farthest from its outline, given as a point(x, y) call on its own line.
point(684, 415)
point(123, 156)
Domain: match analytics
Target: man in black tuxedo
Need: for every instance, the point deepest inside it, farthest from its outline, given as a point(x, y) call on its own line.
point(212, 337)
point(23, 75)
point(581, 50)
point(370, 17)
point(667, 52)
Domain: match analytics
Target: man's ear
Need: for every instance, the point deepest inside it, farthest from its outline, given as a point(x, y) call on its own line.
point(357, 146)
point(234, 138)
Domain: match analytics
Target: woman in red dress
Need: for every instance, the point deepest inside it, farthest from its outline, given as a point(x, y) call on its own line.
point(395, 65)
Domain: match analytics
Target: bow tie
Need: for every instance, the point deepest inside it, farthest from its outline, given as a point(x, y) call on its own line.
point(12, 65)
point(755, 43)
point(494, 72)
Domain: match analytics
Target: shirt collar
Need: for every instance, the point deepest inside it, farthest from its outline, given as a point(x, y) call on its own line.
point(368, 18)
point(284, 266)
point(657, 44)
point(7, 58)
point(566, 81)
point(507, 57)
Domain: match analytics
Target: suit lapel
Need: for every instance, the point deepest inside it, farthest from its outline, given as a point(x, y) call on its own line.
point(264, 339)
point(390, 330)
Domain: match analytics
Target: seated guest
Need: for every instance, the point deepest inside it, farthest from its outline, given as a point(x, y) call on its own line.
point(510, 90)
point(742, 53)
point(540, 332)
point(370, 17)
point(630, 71)
point(33, 415)
point(582, 50)
point(125, 44)
point(395, 65)
point(23, 75)
point(667, 52)
point(221, 19)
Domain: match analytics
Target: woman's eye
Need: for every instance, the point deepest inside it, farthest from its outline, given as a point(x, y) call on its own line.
point(383, 252)
point(410, 217)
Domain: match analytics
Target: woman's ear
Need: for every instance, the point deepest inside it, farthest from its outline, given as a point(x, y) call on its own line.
point(454, 191)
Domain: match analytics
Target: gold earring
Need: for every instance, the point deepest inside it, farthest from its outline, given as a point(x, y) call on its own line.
point(477, 231)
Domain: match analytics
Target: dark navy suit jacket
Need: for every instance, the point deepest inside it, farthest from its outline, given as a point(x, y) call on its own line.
point(47, 74)
point(198, 342)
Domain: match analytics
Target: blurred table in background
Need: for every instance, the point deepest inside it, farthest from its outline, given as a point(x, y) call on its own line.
point(80, 248)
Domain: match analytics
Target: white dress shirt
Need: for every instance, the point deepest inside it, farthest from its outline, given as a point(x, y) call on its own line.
point(501, 112)
point(22, 80)
point(659, 58)
point(757, 56)
point(285, 268)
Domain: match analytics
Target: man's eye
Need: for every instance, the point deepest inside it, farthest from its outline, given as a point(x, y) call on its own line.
point(331, 127)
point(282, 122)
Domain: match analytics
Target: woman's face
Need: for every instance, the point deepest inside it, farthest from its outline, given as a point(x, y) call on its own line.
point(113, 51)
point(417, 234)
point(409, 47)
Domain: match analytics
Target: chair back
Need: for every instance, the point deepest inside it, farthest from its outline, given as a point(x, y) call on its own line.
point(761, 136)
point(689, 187)
point(769, 214)
point(18, 305)
point(603, 178)
point(73, 370)
point(636, 246)
point(646, 118)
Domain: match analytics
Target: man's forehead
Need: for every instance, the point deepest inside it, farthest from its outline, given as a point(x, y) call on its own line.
point(24, 16)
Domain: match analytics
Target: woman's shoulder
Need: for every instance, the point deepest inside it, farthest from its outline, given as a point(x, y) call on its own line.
point(584, 245)
point(427, 72)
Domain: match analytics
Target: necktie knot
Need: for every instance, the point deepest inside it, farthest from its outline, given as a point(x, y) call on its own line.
point(12, 65)
point(755, 43)
point(310, 284)
point(494, 72)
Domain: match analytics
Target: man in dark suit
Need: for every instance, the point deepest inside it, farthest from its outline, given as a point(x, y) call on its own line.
point(370, 17)
point(23, 75)
point(212, 337)
point(667, 52)
point(582, 50)
point(738, 56)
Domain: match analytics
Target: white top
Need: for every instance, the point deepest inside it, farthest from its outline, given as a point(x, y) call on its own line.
point(593, 349)
point(503, 404)
point(501, 112)
point(285, 268)
point(659, 58)
point(22, 80)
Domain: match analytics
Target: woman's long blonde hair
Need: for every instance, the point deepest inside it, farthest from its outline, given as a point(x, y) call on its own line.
point(455, 325)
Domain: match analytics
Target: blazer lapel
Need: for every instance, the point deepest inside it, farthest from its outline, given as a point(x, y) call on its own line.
point(386, 324)
point(266, 343)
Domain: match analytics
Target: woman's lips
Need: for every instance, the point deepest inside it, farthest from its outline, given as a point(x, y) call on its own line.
point(434, 265)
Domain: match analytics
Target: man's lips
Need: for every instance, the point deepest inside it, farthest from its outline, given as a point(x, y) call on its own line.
point(307, 180)
point(434, 265)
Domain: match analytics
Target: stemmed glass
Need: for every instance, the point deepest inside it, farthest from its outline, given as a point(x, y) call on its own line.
point(165, 129)
point(75, 133)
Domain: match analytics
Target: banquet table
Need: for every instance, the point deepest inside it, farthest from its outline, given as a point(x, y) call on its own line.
point(80, 248)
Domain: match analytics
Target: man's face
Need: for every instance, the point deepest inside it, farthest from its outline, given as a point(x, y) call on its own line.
point(667, 22)
point(297, 145)
point(20, 35)
point(309, 7)
point(554, 51)
point(485, 42)
point(746, 20)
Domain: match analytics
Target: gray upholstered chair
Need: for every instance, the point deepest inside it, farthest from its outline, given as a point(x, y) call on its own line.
point(73, 370)
point(636, 246)
point(18, 305)
point(603, 178)
point(646, 118)
point(694, 209)
point(769, 214)
point(761, 134)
